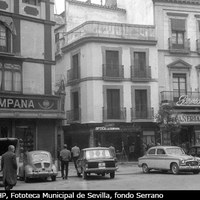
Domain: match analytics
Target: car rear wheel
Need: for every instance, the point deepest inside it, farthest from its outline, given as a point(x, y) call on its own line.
point(112, 175)
point(145, 168)
point(53, 178)
point(174, 168)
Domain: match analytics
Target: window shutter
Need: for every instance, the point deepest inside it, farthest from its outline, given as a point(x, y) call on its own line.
point(178, 24)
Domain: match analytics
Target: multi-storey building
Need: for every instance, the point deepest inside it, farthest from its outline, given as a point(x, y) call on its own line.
point(29, 110)
point(178, 30)
point(109, 61)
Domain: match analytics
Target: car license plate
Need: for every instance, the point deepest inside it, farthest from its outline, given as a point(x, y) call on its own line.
point(101, 165)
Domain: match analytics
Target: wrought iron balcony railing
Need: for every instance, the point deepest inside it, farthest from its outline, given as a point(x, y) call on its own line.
point(72, 75)
point(114, 114)
point(113, 72)
point(138, 74)
point(198, 46)
point(73, 115)
point(179, 48)
point(143, 112)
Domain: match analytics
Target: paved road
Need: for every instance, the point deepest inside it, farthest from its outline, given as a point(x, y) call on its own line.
point(128, 177)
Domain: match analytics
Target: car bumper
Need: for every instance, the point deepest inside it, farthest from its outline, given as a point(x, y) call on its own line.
point(41, 174)
point(99, 170)
point(189, 168)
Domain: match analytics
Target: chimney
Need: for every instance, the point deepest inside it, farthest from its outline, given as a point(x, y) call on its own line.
point(111, 3)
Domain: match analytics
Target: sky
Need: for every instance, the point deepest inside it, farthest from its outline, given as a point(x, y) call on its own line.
point(59, 5)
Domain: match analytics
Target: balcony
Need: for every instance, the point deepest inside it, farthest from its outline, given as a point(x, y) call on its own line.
point(72, 76)
point(113, 72)
point(142, 114)
point(138, 74)
point(73, 116)
point(114, 114)
point(198, 46)
point(179, 48)
point(96, 29)
point(189, 98)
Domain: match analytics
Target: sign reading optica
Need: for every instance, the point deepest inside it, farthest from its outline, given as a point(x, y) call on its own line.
point(188, 118)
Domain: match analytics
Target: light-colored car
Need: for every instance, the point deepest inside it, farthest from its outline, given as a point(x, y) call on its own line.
point(37, 164)
point(97, 160)
point(167, 158)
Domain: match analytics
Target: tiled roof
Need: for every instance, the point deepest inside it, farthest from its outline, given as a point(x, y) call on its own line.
point(179, 1)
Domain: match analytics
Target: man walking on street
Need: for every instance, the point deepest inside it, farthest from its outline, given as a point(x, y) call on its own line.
point(9, 168)
point(65, 156)
point(75, 155)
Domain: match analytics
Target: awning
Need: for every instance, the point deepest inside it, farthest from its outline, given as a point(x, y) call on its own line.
point(178, 24)
point(8, 22)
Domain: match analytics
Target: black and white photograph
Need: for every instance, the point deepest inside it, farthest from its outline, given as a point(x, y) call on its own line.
point(99, 99)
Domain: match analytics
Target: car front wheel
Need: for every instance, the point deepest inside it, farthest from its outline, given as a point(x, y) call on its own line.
point(112, 175)
point(175, 168)
point(53, 178)
point(145, 168)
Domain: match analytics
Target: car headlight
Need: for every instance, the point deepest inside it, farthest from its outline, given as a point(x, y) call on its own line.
point(182, 161)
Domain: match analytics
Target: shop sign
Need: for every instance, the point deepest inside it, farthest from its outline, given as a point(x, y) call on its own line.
point(28, 103)
point(184, 100)
point(103, 128)
point(188, 118)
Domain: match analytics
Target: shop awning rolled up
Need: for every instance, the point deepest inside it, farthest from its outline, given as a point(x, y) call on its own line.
point(8, 22)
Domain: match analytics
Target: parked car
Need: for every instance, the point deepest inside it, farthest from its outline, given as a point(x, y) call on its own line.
point(97, 160)
point(194, 151)
point(167, 158)
point(37, 164)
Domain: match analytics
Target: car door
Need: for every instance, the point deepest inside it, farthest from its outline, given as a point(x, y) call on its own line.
point(161, 161)
point(151, 158)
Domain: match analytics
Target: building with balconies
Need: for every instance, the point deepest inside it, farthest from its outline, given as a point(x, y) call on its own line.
point(29, 109)
point(111, 76)
point(178, 30)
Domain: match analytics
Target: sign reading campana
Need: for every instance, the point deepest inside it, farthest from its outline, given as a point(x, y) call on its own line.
point(81, 195)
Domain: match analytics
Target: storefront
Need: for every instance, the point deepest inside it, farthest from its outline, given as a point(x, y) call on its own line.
point(35, 119)
point(127, 138)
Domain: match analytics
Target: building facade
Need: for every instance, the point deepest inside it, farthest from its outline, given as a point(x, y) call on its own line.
point(109, 68)
point(29, 108)
point(178, 30)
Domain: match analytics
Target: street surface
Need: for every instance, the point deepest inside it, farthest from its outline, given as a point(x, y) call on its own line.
point(128, 177)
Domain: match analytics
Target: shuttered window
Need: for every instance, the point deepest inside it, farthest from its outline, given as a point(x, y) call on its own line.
point(178, 24)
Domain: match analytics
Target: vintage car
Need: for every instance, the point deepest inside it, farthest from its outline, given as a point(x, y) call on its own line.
point(167, 158)
point(194, 151)
point(97, 160)
point(37, 164)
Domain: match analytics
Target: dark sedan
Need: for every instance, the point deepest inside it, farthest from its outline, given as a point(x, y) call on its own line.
point(97, 160)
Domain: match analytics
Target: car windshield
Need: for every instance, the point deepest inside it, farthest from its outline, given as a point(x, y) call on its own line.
point(175, 151)
point(40, 157)
point(92, 154)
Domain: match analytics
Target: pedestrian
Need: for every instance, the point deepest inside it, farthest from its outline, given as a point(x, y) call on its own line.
point(112, 149)
point(75, 154)
point(65, 156)
point(9, 168)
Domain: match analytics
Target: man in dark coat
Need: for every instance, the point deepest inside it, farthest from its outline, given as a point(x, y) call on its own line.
point(9, 167)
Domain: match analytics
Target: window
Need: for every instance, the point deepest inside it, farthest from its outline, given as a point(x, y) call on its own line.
point(152, 151)
point(32, 2)
point(140, 60)
point(112, 63)
point(179, 85)
point(5, 37)
point(160, 151)
point(75, 66)
point(141, 104)
point(75, 105)
point(10, 77)
point(113, 103)
point(178, 33)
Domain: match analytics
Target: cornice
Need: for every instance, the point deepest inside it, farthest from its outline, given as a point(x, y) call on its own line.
point(193, 2)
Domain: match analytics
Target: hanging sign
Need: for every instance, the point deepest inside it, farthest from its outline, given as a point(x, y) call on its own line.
point(184, 100)
point(188, 118)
